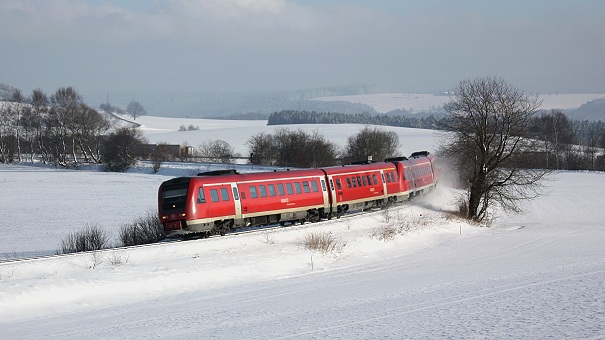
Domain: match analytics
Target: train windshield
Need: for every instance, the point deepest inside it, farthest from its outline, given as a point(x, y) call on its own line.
point(173, 198)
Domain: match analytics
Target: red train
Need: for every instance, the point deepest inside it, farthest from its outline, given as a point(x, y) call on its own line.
point(216, 202)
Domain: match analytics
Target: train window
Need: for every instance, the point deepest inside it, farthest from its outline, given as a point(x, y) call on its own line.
point(271, 189)
point(306, 186)
point(323, 185)
point(348, 182)
point(363, 178)
point(224, 194)
point(358, 181)
point(298, 188)
point(200, 196)
point(253, 192)
point(338, 185)
point(280, 189)
point(374, 178)
point(393, 179)
point(262, 190)
point(388, 178)
point(369, 180)
point(214, 195)
point(289, 188)
point(382, 175)
point(314, 186)
point(410, 174)
point(332, 184)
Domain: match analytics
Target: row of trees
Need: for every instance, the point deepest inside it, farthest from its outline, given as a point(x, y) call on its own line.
point(313, 117)
point(63, 130)
point(301, 149)
point(569, 144)
point(305, 150)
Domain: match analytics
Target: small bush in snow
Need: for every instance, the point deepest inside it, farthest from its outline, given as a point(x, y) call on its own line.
point(386, 213)
point(117, 260)
point(385, 233)
point(143, 230)
point(323, 242)
point(89, 239)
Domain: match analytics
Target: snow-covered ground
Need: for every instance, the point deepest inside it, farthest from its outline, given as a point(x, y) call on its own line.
point(537, 275)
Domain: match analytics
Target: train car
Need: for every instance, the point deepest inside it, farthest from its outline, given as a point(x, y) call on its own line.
point(362, 186)
point(283, 196)
point(417, 173)
point(216, 202)
point(424, 171)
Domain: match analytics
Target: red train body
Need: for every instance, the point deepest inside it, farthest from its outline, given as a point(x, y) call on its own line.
point(218, 201)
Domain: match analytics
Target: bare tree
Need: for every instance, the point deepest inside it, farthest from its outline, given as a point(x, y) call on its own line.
point(556, 131)
point(19, 108)
point(160, 154)
point(88, 128)
point(217, 151)
point(322, 151)
point(66, 103)
point(7, 143)
point(39, 117)
point(135, 109)
point(261, 147)
point(488, 124)
point(378, 144)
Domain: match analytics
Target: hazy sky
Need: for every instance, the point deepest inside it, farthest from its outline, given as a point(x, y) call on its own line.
point(263, 45)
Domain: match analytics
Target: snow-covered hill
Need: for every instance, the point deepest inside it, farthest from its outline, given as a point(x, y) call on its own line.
point(419, 102)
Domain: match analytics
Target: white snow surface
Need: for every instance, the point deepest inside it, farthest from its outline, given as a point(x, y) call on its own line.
point(528, 276)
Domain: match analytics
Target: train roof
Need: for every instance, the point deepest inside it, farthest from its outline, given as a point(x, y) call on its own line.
point(358, 167)
point(224, 176)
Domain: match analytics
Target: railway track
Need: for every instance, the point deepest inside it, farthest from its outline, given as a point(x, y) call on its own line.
point(240, 231)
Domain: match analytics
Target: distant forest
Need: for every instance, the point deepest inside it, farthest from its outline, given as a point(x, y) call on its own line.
point(312, 117)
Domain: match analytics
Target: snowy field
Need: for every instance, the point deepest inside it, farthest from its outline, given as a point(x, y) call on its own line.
point(531, 276)
point(238, 132)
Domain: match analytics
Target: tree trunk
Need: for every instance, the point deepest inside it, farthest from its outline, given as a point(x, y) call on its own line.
point(475, 193)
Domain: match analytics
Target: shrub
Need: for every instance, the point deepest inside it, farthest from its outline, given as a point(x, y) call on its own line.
point(89, 239)
point(143, 230)
point(121, 149)
point(385, 233)
point(323, 242)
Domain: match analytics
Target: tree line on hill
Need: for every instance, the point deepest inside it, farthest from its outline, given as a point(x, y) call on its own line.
point(312, 117)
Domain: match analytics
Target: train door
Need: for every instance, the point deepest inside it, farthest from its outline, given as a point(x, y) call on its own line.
point(238, 205)
point(326, 196)
point(384, 183)
point(333, 195)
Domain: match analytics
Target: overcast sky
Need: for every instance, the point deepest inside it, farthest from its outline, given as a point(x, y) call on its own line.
point(541, 46)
